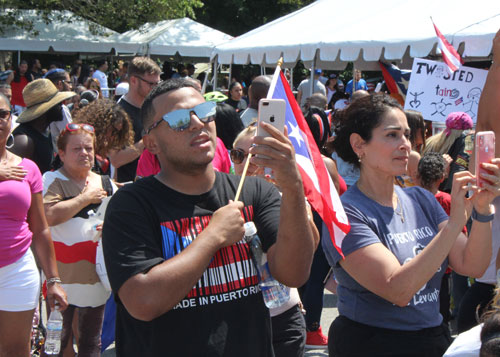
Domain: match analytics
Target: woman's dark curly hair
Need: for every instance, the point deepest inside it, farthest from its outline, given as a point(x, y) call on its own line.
point(431, 169)
point(104, 115)
point(360, 117)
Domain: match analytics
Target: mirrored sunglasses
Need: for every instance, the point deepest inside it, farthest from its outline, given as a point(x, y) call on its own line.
point(237, 155)
point(180, 120)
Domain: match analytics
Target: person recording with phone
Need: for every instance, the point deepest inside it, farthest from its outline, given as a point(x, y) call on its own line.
point(173, 243)
point(481, 292)
point(401, 240)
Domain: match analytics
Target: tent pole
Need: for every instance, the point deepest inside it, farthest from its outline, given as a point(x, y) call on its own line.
point(291, 78)
point(19, 58)
point(353, 79)
point(230, 74)
point(313, 65)
point(214, 77)
point(204, 87)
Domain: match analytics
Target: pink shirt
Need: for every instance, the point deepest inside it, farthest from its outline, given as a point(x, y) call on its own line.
point(15, 198)
point(149, 165)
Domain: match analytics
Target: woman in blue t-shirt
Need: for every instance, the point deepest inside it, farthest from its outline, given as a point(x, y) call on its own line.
point(401, 241)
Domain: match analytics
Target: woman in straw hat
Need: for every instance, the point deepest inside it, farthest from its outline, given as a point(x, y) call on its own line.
point(43, 106)
point(23, 224)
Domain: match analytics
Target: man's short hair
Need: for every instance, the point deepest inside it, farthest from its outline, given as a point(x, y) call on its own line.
point(359, 94)
point(258, 89)
point(148, 110)
point(142, 65)
point(100, 63)
point(56, 74)
point(317, 100)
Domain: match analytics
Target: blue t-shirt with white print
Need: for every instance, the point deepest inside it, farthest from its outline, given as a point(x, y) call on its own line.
point(373, 223)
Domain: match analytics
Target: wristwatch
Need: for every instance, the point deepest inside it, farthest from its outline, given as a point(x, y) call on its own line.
point(481, 217)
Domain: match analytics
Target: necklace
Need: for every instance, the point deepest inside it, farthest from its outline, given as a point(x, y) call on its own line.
point(401, 213)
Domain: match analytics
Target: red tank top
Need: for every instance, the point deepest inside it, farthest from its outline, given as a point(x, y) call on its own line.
point(17, 91)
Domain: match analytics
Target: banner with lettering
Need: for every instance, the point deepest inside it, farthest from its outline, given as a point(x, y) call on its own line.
point(435, 92)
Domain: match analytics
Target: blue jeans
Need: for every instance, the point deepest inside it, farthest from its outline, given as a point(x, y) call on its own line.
point(312, 291)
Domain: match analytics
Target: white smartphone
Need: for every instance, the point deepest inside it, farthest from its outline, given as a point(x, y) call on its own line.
point(271, 111)
point(484, 151)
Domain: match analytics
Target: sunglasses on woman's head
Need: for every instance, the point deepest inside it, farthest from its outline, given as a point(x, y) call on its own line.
point(5, 114)
point(75, 127)
point(238, 155)
point(180, 120)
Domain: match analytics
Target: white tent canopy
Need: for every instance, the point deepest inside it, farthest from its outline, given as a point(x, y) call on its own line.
point(184, 36)
point(334, 32)
point(59, 35)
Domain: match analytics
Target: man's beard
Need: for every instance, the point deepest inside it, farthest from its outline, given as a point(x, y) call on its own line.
point(186, 166)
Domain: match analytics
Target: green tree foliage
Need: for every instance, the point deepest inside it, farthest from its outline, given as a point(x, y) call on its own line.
point(236, 17)
point(118, 15)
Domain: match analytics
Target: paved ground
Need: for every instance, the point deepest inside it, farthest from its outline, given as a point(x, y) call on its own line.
point(329, 314)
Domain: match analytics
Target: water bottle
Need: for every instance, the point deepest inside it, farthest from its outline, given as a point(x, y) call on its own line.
point(275, 294)
point(54, 332)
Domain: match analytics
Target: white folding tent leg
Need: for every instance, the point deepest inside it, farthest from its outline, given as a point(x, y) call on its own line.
point(205, 80)
point(313, 67)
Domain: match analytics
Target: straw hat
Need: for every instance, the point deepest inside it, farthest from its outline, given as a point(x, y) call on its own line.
point(40, 95)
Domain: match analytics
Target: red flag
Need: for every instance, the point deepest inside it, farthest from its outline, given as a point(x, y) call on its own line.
point(450, 56)
point(318, 186)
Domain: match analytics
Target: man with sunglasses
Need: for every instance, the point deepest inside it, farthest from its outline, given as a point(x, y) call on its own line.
point(143, 76)
point(182, 274)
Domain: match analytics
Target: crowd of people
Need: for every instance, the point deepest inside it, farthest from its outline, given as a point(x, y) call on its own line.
point(180, 279)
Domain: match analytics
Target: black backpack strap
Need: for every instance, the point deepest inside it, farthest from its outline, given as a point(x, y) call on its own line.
point(106, 184)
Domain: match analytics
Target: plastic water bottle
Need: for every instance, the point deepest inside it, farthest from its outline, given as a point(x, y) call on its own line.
point(275, 294)
point(54, 332)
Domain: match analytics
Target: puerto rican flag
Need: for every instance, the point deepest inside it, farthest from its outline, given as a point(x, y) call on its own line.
point(450, 56)
point(318, 186)
point(396, 80)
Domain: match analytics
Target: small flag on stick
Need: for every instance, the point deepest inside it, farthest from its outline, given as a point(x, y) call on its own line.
point(450, 56)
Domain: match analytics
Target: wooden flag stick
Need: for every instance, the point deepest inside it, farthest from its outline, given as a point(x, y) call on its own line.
point(269, 95)
point(244, 174)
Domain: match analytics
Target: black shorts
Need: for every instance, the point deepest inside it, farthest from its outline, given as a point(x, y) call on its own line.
point(350, 338)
